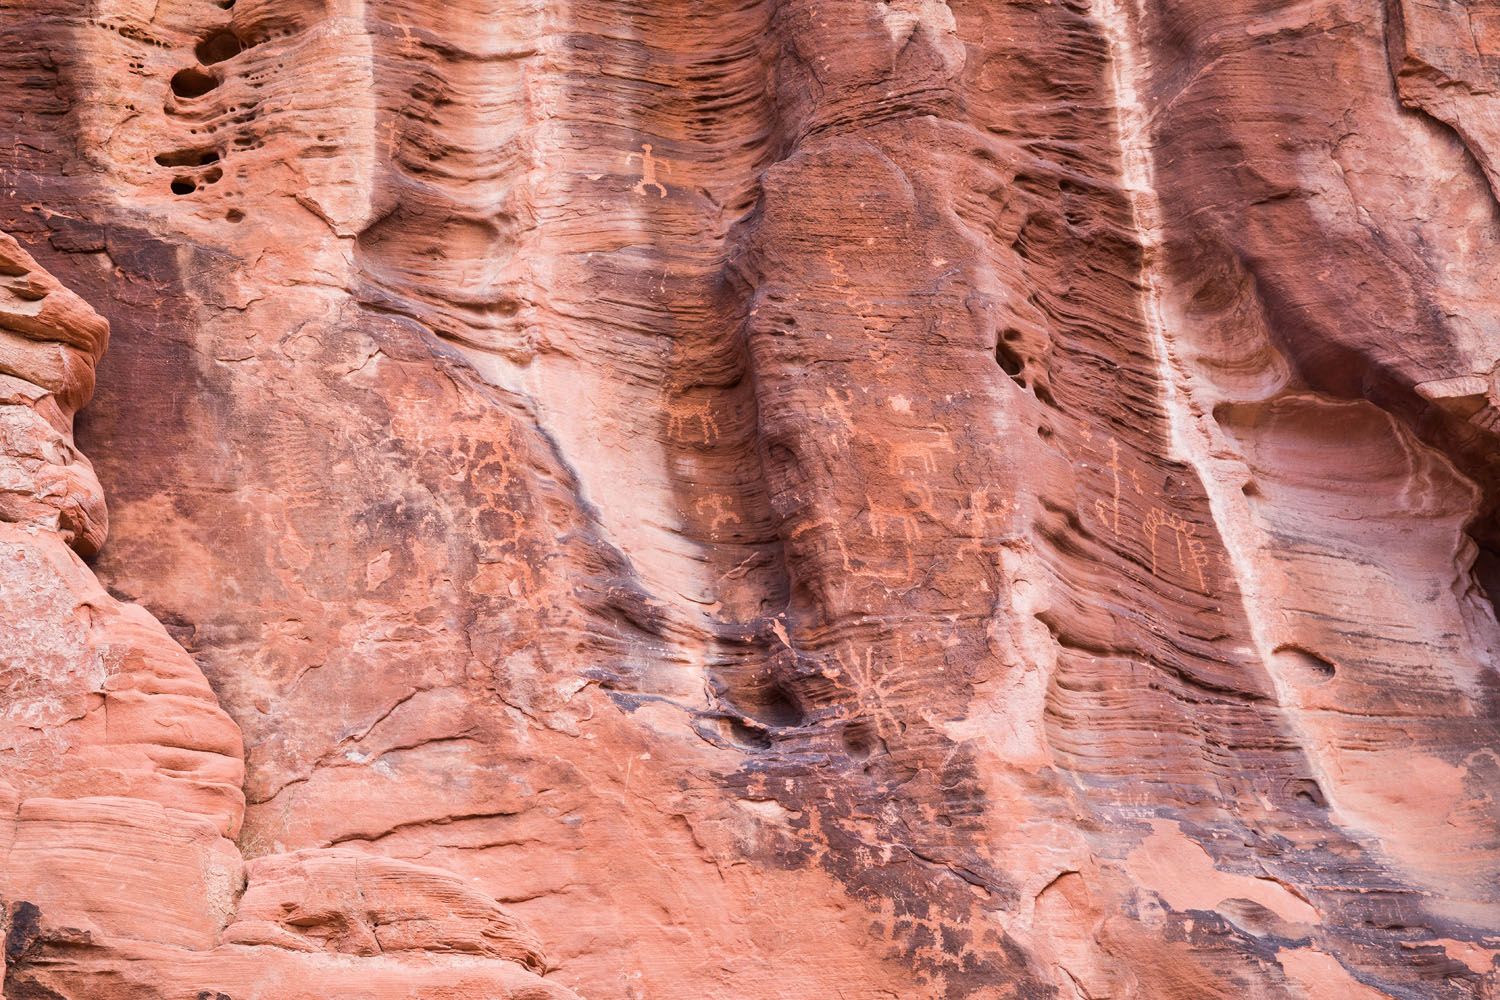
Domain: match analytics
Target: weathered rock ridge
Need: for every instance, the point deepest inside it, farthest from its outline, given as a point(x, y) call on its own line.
point(817, 498)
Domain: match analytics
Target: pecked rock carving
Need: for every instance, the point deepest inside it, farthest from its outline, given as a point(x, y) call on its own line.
point(824, 498)
point(122, 775)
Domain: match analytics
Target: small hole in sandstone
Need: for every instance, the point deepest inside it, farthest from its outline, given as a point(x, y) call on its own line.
point(190, 83)
point(234, 215)
point(183, 185)
point(213, 176)
point(226, 4)
point(1307, 790)
point(1310, 664)
point(771, 705)
point(1487, 572)
point(1044, 432)
point(219, 46)
point(746, 736)
point(859, 739)
point(188, 158)
point(1250, 490)
point(1010, 362)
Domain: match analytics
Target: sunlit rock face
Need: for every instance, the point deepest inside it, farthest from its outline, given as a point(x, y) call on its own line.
point(122, 776)
point(781, 498)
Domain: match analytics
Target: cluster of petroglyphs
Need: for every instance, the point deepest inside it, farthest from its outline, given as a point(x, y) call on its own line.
point(649, 167)
point(894, 514)
point(1192, 553)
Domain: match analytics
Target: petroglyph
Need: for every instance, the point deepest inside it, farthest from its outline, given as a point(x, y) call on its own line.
point(694, 419)
point(1109, 510)
point(1192, 553)
point(861, 306)
point(979, 521)
point(649, 166)
point(881, 516)
point(873, 683)
point(917, 456)
point(719, 510)
point(833, 531)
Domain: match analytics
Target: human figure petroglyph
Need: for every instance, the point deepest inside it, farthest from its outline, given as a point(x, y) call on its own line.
point(719, 512)
point(978, 522)
point(1109, 510)
point(649, 166)
point(1191, 552)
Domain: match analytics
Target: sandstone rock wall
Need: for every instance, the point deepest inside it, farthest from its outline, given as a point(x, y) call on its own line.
point(122, 775)
point(782, 497)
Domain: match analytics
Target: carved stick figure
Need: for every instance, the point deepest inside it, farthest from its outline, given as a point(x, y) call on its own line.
point(1109, 510)
point(649, 164)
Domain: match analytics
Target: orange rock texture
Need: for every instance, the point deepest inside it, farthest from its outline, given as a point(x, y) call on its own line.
point(750, 499)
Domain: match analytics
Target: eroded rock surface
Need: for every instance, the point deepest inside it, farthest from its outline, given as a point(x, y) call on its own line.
point(122, 775)
point(775, 498)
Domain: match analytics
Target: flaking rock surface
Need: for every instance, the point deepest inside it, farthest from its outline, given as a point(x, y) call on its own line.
point(750, 499)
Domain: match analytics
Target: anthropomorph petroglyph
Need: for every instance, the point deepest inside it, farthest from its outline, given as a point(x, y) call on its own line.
point(649, 166)
point(1109, 510)
point(1192, 553)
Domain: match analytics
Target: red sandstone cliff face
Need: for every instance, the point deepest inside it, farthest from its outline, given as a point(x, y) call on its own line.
point(760, 499)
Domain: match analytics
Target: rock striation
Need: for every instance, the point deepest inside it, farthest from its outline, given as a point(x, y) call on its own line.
point(820, 498)
point(122, 775)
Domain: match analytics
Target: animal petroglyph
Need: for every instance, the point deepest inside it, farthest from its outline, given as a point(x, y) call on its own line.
point(694, 417)
point(649, 166)
point(824, 527)
point(919, 457)
point(898, 523)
